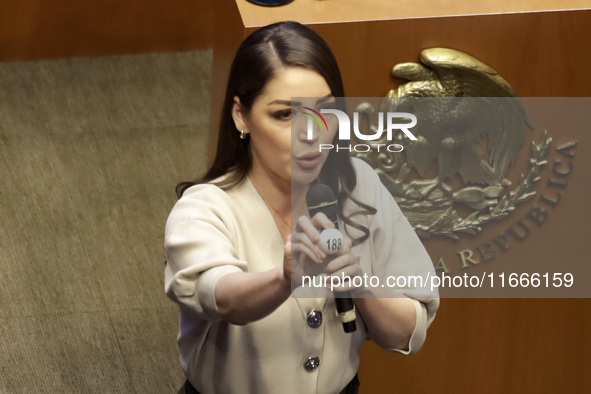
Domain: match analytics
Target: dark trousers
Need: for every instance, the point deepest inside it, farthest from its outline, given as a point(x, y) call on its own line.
point(351, 388)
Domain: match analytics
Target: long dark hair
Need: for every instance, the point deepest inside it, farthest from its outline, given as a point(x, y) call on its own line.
point(287, 44)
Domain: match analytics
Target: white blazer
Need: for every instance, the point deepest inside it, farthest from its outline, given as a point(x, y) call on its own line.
point(211, 232)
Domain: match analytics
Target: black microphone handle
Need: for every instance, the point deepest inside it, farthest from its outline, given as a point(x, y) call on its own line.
point(321, 198)
point(345, 306)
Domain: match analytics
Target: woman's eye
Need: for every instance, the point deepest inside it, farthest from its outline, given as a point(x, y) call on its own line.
point(284, 114)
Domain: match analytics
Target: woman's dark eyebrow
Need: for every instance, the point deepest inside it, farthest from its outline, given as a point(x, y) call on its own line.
point(323, 99)
point(285, 102)
point(297, 103)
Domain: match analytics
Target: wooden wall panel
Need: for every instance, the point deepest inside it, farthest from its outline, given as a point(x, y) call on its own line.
point(491, 346)
point(37, 29)
point(541, 54)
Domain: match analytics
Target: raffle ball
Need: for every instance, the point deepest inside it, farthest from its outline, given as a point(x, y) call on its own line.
point(331, 241)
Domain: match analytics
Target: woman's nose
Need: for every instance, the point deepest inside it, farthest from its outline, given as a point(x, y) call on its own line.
point(308, 131)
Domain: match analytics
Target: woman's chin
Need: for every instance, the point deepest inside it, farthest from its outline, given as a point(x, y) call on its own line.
point(304, 177)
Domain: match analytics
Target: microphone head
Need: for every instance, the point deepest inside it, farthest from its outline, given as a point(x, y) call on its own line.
point(321, 198)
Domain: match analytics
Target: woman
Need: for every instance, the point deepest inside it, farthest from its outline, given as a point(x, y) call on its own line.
point(233, 257)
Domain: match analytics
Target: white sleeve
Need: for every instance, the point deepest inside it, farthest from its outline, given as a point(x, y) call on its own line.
point(199, 250)
point(400, 252)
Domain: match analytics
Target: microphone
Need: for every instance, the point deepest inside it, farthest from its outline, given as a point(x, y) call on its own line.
point(320, 198)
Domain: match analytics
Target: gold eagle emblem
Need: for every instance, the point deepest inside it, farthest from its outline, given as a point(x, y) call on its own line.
point(458, 100)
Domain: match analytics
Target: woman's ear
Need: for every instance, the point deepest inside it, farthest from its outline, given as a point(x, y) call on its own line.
point(239, 116)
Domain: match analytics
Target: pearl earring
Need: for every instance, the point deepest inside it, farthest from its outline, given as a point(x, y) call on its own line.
point(242, 135)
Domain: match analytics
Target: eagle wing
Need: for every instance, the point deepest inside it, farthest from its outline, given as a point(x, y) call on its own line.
point(498, 112)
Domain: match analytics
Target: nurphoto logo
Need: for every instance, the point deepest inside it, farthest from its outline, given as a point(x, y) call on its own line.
point(345, 129)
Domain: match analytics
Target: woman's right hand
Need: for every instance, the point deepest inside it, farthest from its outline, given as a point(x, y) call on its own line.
point(302, 253)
